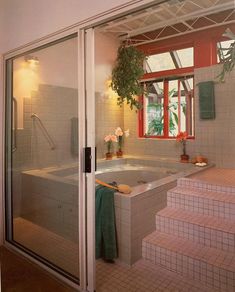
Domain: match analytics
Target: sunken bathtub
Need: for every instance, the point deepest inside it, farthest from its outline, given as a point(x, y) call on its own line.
point(150, 179)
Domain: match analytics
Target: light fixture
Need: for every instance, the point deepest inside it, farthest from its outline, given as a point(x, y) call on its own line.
point(109, 92)
point(31, 59)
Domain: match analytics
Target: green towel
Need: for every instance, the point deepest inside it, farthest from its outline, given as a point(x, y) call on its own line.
point(206, 100)
point(106, 244)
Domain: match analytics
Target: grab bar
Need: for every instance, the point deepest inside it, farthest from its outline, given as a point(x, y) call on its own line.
point(14, 144)
point(44, 130)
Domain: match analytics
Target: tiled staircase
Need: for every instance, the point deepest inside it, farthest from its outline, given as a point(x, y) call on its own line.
point(195, 234)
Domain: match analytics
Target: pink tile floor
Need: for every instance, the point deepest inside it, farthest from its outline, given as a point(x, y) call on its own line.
point(142, 277)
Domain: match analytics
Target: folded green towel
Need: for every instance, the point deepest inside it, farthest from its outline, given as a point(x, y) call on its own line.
point(106, 243)
point(206, 100)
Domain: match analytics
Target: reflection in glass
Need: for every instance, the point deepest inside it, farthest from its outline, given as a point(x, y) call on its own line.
point(43, 168)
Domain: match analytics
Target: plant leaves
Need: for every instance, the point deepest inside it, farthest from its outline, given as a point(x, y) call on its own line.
point(126, 74)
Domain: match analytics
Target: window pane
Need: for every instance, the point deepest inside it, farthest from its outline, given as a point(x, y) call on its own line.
point(186, 57)
point(173, 107)
point(180, 108)
point(187, 103)
point(170, 60)
point(160, 62)
point(223, 49)
point(154, 111)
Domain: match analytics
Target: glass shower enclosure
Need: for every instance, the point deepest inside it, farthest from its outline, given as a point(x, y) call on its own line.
point(41, 165)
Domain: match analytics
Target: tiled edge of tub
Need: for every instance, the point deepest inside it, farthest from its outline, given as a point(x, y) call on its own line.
point(135, 213)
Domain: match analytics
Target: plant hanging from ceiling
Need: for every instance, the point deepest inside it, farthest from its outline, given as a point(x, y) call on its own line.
point(126, 76)
point(228, 58)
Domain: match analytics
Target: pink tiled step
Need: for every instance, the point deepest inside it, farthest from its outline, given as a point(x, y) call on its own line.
point(213, 267)
point(202, 201)
point(203, 185)
point(207, 230)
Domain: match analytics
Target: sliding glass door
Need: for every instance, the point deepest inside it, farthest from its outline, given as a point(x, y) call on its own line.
point(42, 156)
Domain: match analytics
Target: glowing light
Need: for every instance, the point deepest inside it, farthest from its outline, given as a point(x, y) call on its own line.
point(25, 80)
point(109, 92)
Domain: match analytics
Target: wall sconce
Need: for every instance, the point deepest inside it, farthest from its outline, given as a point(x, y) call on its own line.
point(31, 60)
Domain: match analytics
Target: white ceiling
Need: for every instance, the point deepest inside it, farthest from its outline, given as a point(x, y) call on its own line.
point(171, 18)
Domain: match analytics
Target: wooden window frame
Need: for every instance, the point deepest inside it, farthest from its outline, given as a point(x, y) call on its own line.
point(203, 41)
point(142, 117)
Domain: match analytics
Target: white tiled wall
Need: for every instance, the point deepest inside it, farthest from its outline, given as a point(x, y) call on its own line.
point(109, 116)
point(216, 138)
point(55, 106)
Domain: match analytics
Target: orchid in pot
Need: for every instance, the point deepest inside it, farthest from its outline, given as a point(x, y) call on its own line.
point(109, 140)
point(120, 136)
point(182, 138)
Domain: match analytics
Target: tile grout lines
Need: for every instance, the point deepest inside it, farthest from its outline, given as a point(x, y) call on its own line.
point(195, 234)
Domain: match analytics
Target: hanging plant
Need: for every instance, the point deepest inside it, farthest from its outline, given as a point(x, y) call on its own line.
point(229, 58)
point(126, 76)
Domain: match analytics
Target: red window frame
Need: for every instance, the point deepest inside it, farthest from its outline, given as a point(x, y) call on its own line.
point(166, 74)
point(202, 41)
point(166, 113)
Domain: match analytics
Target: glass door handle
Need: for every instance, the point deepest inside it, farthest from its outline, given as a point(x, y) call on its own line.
point(14, 143)
point(88, 157)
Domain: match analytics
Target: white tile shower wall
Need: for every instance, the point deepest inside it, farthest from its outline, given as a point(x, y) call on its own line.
point(109, 116)
point(55, 106)
point(213, 138)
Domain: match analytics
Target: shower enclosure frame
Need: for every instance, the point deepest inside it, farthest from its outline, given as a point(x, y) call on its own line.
point(86, 98)
point(84, 226)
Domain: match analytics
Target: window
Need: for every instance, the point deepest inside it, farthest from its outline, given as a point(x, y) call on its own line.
point(170, 60)
point(168, 108)
point(168, 105)
point(222, 49)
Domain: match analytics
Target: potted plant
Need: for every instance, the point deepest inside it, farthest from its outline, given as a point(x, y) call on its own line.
point(109, 140)
point(182, 138)
point(119, 134)
point(126, 75)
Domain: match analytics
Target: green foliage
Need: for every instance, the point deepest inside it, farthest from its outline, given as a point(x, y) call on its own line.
point(156, 126)
point(228, 61)
point(126, 75)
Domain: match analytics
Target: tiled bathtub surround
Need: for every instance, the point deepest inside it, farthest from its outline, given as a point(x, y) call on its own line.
point(195, 234)
point(52, 193)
